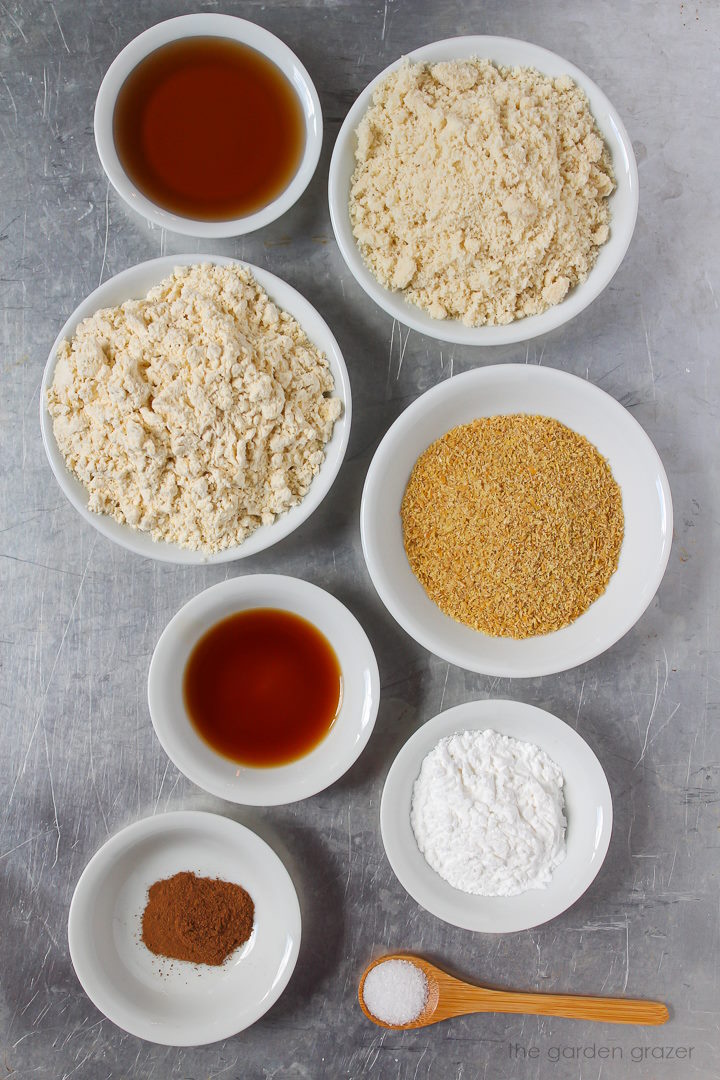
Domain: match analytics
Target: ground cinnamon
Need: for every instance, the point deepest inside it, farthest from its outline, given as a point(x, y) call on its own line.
point(196, 918)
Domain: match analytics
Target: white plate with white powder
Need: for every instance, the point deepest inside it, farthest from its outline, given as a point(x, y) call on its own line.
point(564, 866)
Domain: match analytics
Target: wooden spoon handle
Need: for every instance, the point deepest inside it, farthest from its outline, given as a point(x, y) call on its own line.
point(606, 1010)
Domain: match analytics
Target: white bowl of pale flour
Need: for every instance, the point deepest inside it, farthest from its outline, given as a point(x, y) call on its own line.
point(587, 809)
point(622, 203)
point(135, 283)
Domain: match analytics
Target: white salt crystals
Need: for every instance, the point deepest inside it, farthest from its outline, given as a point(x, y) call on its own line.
point(395, 991)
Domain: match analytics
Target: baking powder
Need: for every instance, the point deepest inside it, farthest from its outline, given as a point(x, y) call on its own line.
point(488, 813)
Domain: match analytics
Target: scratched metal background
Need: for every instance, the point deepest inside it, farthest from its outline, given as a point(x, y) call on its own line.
point(80, 617)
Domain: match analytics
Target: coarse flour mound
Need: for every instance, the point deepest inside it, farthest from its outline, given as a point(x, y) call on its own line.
point(196, 414)
point(488, 813)
point(480, 191)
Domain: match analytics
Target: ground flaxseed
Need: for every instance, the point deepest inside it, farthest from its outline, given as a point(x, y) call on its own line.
point(513, 524)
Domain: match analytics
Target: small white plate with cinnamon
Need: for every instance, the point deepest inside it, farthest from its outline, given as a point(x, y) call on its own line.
point(159, 997)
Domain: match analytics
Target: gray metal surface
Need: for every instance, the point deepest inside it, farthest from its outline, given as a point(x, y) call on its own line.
point(80, 617)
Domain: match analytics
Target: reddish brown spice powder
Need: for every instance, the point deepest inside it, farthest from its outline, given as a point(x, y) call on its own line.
point(198, 919)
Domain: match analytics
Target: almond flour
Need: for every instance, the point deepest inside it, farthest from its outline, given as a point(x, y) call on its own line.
point(197, 414)
point(480, 191)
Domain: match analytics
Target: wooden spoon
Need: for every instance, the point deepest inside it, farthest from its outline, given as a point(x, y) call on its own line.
point(448, 997)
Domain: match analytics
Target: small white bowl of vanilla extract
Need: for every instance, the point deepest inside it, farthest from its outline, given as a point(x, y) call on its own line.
point(208, 125)
point(263, 689)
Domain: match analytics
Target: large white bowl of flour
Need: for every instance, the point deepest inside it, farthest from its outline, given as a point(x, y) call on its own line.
point(135, 283)
point(587, 805)
point(623, 202)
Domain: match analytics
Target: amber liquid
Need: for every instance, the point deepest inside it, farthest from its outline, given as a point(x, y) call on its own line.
point(263, 687)
point(208, 128)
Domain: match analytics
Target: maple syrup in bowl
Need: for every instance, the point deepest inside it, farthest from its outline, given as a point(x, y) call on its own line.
point(208, 125)
point(209, 128)
point(263, 689)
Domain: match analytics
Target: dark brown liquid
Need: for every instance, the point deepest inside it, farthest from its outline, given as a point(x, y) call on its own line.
point(208, 128)
point(263, 687)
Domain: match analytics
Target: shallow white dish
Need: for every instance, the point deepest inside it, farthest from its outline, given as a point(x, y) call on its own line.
point(520, 388)
point(135, 283)
point(588, 809)
point(174, 1002)
point(331, 758)
point(207, 25)
point(623, 202)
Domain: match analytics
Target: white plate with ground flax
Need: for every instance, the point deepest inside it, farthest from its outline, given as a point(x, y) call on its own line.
point(201, 422)
point(176, 1002)
point(516, 520)
point(483, 190)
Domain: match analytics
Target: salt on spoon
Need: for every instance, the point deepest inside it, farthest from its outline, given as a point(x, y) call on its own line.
point(395, 991)
point(403, 991)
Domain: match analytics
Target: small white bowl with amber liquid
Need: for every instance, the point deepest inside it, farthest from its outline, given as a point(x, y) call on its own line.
point(263, 689)
point(208, 125)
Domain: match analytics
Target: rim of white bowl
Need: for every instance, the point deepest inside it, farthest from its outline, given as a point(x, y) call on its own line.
point(117, 845)
point(272, 785)
point(509, 52)
point(431, 640)
point(207, 25)
point(151, 273)
point(483, 914)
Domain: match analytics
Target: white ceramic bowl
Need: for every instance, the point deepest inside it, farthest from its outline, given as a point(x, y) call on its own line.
point(623, 202)
point(174, 1002)
point(588, 809)
point(135, 283)
point(207, 25)
point(331, 758)
point(520, 388)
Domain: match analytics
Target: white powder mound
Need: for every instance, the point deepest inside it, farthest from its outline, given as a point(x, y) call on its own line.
point(480, 191)
point(395, 991)
point(196, 414)
point(488, 813)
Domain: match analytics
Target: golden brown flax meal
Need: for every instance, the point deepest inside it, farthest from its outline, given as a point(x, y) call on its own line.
point(513, 524)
